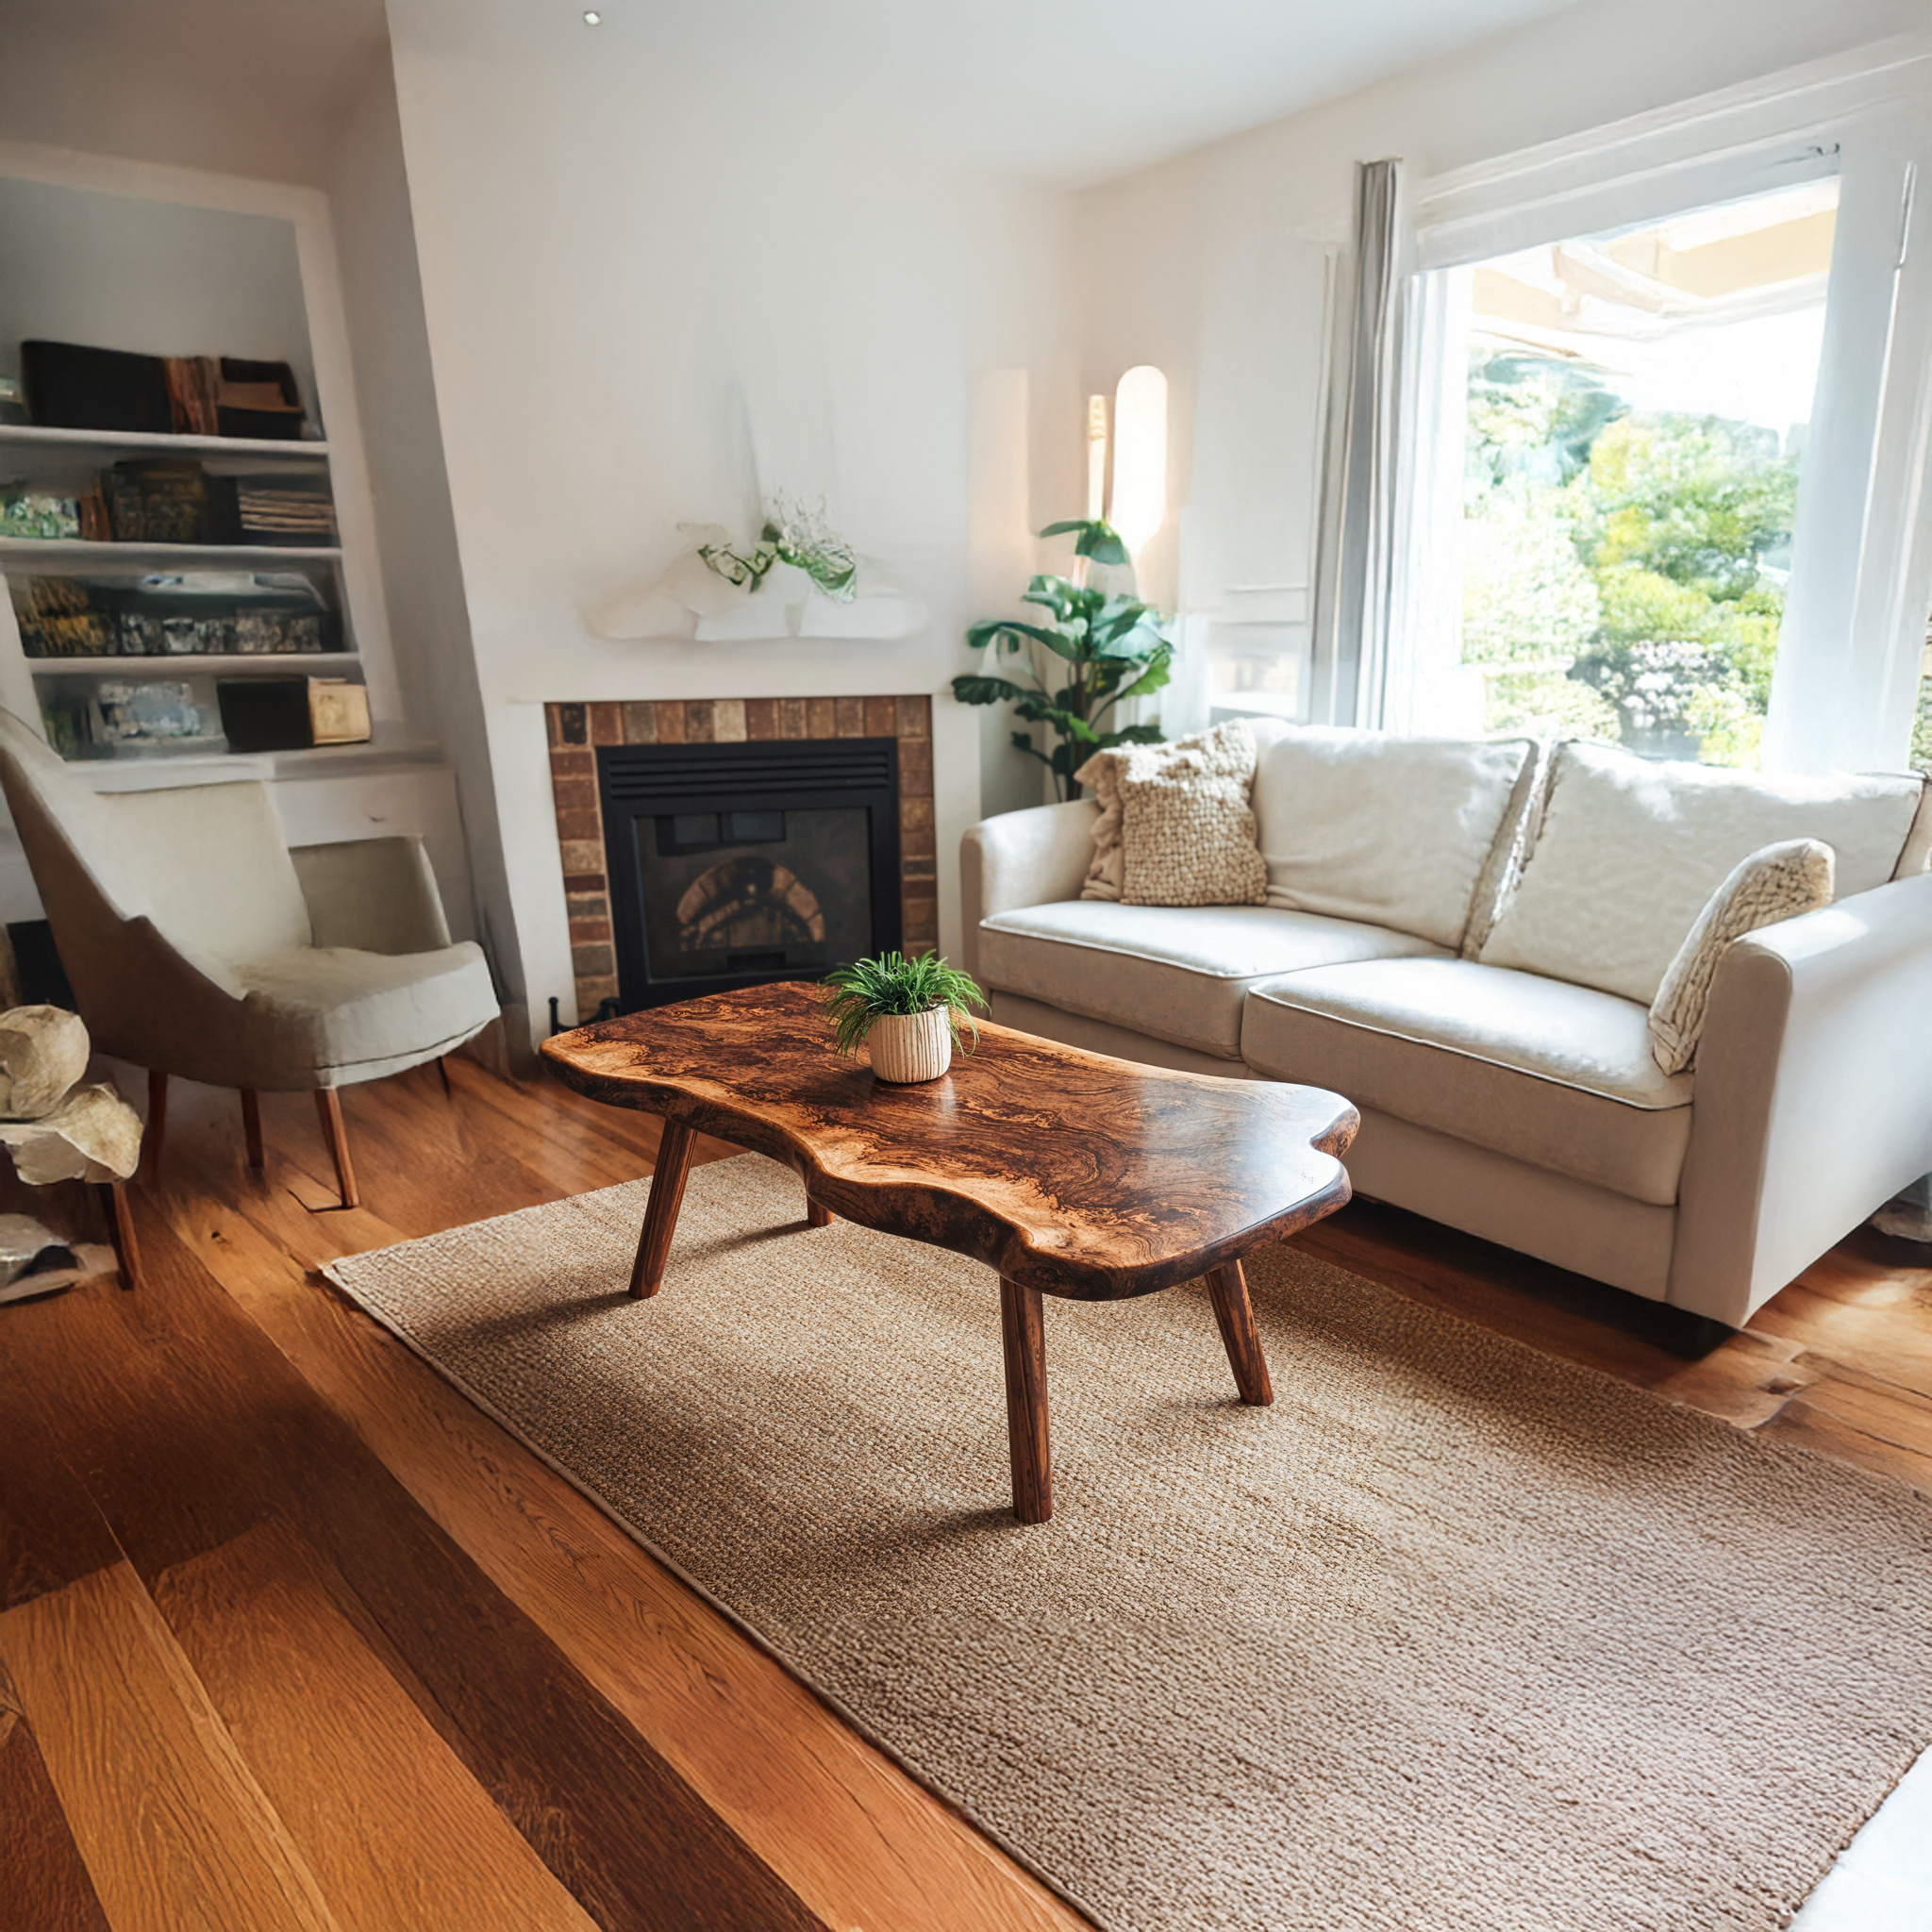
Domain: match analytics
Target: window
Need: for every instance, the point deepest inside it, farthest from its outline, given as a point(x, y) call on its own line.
point(1634, 425)
point(1921, 721)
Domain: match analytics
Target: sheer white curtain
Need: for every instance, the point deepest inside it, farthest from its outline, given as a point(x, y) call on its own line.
point(1357, 532)
point(1419, 683)
point(1388, 578)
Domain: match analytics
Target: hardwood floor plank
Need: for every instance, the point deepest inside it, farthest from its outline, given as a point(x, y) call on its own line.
point(50, 1532)
point(856, 1838)
point(43, 1883)
point(399, 1835)
point(1860, 1418)
point(1879, 1333)
point(200, 1429)
point(173, 1830)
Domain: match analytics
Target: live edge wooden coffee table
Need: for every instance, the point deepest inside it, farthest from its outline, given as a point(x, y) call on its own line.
point(1069, 1172)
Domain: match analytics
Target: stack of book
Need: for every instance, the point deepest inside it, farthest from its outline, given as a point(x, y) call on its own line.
point(275, 510)
point(193, 388)
point(161, 503)
point(70, 386)
point(61, 618)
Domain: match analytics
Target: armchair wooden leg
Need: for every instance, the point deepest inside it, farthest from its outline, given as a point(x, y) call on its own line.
point(119, 1215)
point(328, 1109)
point(442, 1068)
point(251, 1126)
point(157, 1121)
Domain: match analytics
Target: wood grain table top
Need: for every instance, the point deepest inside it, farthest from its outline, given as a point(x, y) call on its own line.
point(1069, 1172)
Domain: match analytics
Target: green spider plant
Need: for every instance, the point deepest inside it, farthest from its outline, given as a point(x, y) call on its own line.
point(1113, 648)
point(869, 990)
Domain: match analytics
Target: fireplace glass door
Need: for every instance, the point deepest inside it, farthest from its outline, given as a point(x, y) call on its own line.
point(737, 864)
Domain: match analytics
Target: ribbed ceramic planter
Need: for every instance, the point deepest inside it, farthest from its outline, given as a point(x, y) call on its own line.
point(907, 1047)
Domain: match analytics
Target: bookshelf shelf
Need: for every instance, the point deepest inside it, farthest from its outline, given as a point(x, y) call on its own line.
point(161, 665)
point(70, 458)
point(75, 557)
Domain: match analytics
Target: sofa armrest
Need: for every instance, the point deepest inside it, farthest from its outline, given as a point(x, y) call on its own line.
point(1028, 857)
point(376, 895)
point(1814, 1098)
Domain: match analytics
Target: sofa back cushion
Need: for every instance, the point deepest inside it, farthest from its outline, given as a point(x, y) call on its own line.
point(1631, 849)
point(1388, 830)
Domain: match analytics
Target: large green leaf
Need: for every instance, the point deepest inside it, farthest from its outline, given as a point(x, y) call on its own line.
point(1022, 742)
point(1157, 676)
point(1039, 708)
point(980, 635)
point(1133, 734)
point(1055, 593)
point(987, 690)
point(1092, 538)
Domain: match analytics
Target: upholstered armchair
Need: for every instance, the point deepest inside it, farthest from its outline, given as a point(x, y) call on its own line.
point(198, 944)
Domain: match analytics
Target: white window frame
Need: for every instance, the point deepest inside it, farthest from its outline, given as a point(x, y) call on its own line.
point(1846, 682)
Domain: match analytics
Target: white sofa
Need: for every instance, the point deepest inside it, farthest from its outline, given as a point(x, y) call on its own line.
point(1463, 937)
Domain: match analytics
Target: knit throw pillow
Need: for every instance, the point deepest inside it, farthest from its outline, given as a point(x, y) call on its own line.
point(1101, 775)
point(1186, 830)
point(1777, 882)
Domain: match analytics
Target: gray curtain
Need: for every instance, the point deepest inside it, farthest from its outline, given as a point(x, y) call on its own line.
point(1353, 562)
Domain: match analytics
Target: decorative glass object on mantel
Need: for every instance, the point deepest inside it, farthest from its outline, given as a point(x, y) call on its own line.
point(800, 578)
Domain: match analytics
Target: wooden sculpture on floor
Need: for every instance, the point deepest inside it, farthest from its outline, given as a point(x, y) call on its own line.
point(57, 1129)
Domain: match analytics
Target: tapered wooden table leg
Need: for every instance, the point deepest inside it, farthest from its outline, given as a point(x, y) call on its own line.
point(1228, 1287)
point(120, 1219)
point(251, 1126)
point(816, 1216)
point(668, 1177)
point(1025, 1335)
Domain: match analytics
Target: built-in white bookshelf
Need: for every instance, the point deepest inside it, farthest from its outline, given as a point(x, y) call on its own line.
point(166, 277)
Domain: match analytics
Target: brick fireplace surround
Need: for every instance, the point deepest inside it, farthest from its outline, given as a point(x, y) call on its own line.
point(576, 730)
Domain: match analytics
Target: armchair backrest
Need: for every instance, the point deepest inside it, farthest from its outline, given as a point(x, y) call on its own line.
point(206, 865)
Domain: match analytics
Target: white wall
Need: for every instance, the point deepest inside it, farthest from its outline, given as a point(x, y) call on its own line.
point(630, 280)
point(382, 297)
point(1212, 265)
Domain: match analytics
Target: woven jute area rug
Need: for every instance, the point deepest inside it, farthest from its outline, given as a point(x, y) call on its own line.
point(1455, 1635)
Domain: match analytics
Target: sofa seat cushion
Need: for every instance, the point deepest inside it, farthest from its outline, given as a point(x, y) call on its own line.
point(1179, 972)
point(1558, 1075)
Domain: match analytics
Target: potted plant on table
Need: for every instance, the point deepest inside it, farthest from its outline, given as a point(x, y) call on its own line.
point(907, 1012)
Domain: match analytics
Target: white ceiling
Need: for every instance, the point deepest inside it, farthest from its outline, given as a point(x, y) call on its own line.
point(1059, 92)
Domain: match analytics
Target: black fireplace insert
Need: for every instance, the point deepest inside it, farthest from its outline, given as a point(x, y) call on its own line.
point(739, 864)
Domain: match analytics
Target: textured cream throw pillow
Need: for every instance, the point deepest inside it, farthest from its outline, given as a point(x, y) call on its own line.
point(1100, 775)
point(1186, 829)
point(1779, 882)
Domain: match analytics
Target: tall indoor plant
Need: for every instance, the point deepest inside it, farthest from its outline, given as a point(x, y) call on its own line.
point(1113, 648)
